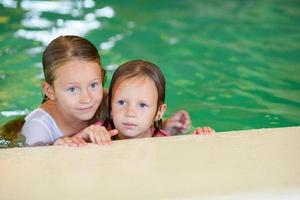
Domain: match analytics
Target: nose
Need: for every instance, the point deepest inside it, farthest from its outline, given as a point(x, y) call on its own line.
point(130, 111)
point(85, 97)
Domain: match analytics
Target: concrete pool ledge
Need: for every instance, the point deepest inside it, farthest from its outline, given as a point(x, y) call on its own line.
point(251, 164)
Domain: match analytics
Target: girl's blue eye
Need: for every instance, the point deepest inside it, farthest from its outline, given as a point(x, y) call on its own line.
point(72, 90)
point(121, 102)
point(143, 105)
point(94, 85)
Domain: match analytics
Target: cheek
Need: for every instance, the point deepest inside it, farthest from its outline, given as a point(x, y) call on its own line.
point(114, 112)
point(65, 101)
point(63, 97)
point(99, 96)
point(152, 113)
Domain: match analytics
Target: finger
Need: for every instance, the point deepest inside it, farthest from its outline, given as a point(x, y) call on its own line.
point(176, 116)
point(70, 142)
point(185, 115)
point(186, 121)
point(113, 132)
point(79, 141)
point(102, 137)
point(207, 130)
point(98, 138)
point(186, 127)
point(198, 131)
point(211, 131)
point(178, 127)
point(108, 138)
point(85, 134)
point(98, 132)
point(177, 124)
point(59, 142)
point(92, 136)
point(183, 128)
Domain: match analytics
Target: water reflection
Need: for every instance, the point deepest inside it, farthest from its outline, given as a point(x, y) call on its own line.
point(33, 20)
point(61, 7)
point(9, 3)
point(111, 41)
point(14, 113)
point(222, 60)
point(37, 27)
point(107, 11)
point(66, 18)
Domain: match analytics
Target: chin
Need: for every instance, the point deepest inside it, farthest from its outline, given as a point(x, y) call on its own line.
point(129, 135)
point(85, 117)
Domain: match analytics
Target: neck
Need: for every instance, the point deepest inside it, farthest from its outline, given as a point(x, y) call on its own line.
point(67, 125)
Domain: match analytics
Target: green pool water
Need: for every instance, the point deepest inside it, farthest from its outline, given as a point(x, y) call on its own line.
point(232, 64)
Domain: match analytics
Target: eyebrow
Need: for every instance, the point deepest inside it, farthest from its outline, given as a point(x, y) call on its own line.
point(75, 83)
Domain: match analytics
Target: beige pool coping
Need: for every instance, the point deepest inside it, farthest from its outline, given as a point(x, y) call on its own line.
point(251, 164)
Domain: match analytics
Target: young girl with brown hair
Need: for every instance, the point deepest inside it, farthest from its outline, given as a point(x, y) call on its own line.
point(136, 103)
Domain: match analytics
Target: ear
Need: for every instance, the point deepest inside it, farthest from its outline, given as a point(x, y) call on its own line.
point(48, 90)
point(161, 111)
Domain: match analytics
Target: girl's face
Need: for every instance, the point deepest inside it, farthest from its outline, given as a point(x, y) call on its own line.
point(134, 104)
point(77, 89)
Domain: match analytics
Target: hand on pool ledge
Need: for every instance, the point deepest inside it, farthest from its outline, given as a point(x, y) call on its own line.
point(178, 123)
point(97, 134)
point(94, 133)
point(204, 131)
point(70, 142)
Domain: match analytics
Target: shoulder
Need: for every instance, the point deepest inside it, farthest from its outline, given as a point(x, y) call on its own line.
point(37, 113)
point(39, 117)
point(40, 127)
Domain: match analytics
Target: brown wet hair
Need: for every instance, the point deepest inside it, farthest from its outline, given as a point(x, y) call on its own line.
point(68, 48)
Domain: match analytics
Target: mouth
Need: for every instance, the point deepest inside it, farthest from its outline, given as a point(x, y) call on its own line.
point(86, 109)
point(128, 125)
